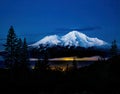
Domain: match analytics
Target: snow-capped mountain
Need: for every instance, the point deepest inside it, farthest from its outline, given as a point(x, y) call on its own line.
point(73, 38)
point(48, 40)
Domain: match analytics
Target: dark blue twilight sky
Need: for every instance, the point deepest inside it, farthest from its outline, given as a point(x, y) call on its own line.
point(34, 19)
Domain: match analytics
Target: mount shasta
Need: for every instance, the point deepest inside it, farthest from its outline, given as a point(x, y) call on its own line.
point(73, 38)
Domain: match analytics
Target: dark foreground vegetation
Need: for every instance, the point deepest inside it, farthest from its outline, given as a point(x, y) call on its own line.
point(102, 77)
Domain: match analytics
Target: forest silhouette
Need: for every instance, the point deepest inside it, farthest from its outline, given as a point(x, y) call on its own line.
point(101, 77)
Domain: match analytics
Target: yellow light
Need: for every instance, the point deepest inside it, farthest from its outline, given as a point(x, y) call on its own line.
point(67, 59)
point(94, 58)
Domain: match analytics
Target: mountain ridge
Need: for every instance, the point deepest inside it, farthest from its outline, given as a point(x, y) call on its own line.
point(73, 38)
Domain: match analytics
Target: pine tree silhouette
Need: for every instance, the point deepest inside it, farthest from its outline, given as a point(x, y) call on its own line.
point(74, 63)
point(11, 48)
point(24, 56)
point(113, 48)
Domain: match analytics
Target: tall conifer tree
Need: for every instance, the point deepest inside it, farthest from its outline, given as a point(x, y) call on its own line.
point(114, 48)
point(25, 56)
point(11, 48)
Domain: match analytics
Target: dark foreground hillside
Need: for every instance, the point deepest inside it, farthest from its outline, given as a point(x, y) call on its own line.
point(102, 77)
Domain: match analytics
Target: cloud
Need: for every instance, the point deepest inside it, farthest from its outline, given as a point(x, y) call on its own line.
point(65, 30)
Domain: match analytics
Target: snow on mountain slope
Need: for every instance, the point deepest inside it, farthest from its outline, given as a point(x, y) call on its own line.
point(50, 40)
point(73, 38)
point(79, 39)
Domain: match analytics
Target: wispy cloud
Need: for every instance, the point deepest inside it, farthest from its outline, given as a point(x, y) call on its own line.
point(79, 29)
point(65, 30)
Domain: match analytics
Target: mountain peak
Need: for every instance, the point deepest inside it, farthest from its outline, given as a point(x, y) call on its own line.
point(76, 33)
point(51, 40)
point(73, 38)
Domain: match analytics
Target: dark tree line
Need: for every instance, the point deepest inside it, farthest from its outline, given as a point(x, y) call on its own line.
point(16, 50)
point(114, 48)
point(42, 65)
point(98, 78)
point(67, 52)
